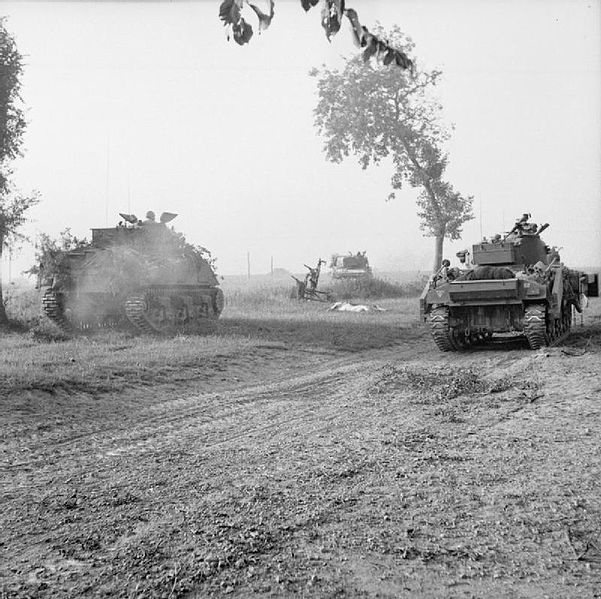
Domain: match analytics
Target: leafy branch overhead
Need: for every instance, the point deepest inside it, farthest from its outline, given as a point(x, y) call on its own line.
point(332, 16)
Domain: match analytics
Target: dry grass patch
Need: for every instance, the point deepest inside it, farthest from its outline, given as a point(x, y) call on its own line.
point(108, 361)
point(437, 384)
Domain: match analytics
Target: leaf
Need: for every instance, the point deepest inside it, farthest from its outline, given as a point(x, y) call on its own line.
point(402, 60)
point(381, 47)
point(264, 19)
point(229, 11)
point(307, 4)
point(242, 32)
point(331, 16)
point(371, 47)
point(390, 55)
point(364, 35)
point(356, 29)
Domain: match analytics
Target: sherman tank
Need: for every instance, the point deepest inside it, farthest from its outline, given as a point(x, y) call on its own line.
point(510, 285)
point(140, 274)
point(350, 266)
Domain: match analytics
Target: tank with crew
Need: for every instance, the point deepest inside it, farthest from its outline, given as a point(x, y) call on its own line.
point(511, 284)
point(350, 266)
point(140, 274)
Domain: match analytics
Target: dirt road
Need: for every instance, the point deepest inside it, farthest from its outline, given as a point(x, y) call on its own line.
point(391, 472)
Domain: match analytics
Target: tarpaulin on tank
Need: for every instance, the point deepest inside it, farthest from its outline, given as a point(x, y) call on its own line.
point(480, 273)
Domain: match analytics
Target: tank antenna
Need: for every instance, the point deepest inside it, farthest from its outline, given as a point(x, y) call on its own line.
point(106, 187)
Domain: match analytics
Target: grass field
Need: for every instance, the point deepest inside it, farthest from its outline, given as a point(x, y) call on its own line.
point(37, 355)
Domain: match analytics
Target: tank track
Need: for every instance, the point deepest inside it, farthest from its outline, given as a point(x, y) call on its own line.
point(135, 310)
point(440, 329)
point(540, 332)
point(52, 308)
point(535, 327)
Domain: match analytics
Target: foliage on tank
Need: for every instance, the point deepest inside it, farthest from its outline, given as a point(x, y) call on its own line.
point(140, 271)
point(49, 251)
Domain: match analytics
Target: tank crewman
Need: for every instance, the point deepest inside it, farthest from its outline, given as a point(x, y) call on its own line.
point(150, 218)
point(519, 227)
point(462, 255)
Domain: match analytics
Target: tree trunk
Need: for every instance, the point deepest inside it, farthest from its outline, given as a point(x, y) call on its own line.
point(3, 317)
point(438, 244)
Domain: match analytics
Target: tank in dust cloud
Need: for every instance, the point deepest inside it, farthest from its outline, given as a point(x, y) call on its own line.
point(350, 266)
point(138, 274)
point(513, 284)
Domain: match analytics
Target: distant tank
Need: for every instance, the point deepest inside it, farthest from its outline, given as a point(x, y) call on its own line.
point(513, 284)
point(141, 274)
point(350, 266)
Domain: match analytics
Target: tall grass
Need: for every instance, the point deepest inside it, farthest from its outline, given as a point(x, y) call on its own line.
point(263, 292)
point(23, 305)
point(257, 296)
point(373, 288)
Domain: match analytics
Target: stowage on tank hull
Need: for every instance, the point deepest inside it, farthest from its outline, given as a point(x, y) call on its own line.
point(144, 277)
point(515, 285)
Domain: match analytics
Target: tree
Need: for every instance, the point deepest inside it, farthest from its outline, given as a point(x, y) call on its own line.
point(332, 16)
point(373, 112)
point(13, 205)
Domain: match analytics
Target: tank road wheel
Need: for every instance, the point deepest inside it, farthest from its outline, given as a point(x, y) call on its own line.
point(170, 314)
point(535, 327)
point(440, 329)
point(53, 309)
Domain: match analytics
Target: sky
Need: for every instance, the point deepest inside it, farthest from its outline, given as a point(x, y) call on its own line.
point(136, 106)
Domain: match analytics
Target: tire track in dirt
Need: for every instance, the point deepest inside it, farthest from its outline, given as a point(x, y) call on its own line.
point(216, 418)
point(220, 411)
point(160, 412)
point(182, 408)
point(211, 421)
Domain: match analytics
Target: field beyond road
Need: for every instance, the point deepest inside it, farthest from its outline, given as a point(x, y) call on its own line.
point(300, 453)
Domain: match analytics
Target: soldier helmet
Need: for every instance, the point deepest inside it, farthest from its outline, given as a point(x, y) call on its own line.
point(150, 215)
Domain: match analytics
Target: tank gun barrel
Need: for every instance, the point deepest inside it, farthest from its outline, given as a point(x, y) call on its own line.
point(545, 226)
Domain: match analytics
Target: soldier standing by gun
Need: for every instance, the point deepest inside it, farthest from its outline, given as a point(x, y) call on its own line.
point(312, 277)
